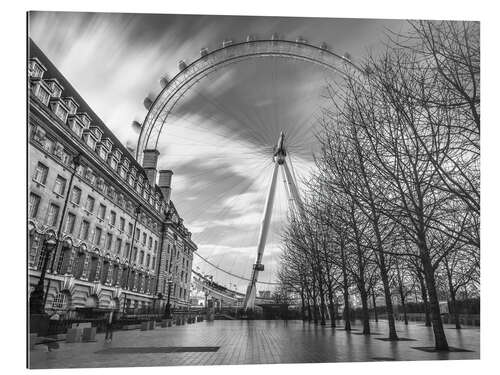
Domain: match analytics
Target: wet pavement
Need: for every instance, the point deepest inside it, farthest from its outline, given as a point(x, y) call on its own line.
point(232, 342)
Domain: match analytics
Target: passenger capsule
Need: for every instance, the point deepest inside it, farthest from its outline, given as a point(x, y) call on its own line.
point(324, 46)
point(226, 43)
point(147, 103)
point(136, 125)
point(203, 52)
point(347, 56)
point(164, 81)
point(275, 36)
point(300, 40)
point(182, 65)
point(250, 38)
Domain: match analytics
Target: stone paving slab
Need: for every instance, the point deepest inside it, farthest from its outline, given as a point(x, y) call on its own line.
point(253, 342)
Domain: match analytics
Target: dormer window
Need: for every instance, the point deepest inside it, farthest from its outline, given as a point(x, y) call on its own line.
point(56, 92)
point(42, 93)
point(124, 168)
point(117, 154)
point(123, 172)
point(91, 142)
point(55, 88)
point(61, 113)
point(76, 126)
point(36, 69)
point(112, 162)
point(71, 105)
point(60, 110)
point(85, 119)
point(97, 132)
point(106, 142)
point(102, 152)
point(131, 176)
point(131, 180)
point(89, 139)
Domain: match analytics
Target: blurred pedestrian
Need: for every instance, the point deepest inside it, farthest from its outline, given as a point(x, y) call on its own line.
point(109, 326)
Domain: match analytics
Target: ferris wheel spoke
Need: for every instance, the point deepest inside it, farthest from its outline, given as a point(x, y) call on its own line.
point(223, 141)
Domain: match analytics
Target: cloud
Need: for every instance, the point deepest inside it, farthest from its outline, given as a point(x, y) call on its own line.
point(219, 138)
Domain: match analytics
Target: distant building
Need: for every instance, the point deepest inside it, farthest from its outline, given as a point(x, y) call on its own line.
point(265, 294)
point(100, 261)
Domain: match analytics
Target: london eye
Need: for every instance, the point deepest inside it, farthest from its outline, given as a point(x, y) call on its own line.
point(227, 123)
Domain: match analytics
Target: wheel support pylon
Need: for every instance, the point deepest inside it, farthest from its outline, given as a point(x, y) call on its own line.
point(279, 158)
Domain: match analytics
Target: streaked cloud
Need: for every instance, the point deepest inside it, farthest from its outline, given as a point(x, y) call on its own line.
point(219, 138)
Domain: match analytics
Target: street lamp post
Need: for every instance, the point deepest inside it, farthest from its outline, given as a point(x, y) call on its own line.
point(137, 212)
point(37, 296)
point(76, 163)
point(168, 314)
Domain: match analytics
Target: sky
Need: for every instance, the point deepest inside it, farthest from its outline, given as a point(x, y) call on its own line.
point(219, 138)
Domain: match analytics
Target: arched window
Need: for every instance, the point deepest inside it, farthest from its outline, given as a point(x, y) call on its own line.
point(115, 274)
point(131, 280)
point(79, 264)
point(42, 257)
point(124, 278)
point(34, 244)
point(138, 282)
point(60, 301)
point(104, 272)
point(63, 261)
point(93, 268)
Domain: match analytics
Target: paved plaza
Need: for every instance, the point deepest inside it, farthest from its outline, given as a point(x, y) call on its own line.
point(254, 342)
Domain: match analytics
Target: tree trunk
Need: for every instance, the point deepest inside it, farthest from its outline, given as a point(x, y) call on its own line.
point(455, 310)
point(374, 305)
point(345, 285)
point(315, 309)
point(425, 300)
point(453, 297)
point(366, 314)
point(309, 312)
point(321, 292)
point(303, 306)
point(332, 306)
point(441, 342)
point(361, 277)
point(403, 305)
point(393, 336)
point(402, 296)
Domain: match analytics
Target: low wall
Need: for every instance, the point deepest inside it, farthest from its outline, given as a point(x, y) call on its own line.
point(469, 320)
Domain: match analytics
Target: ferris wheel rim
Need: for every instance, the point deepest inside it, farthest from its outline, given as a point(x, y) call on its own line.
point(181, 81)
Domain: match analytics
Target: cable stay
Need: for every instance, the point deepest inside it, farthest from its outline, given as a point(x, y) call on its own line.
point(230, 273)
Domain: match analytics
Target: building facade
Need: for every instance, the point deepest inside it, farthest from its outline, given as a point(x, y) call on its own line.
point(120, 243)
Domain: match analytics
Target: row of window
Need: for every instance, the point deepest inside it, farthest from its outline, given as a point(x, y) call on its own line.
point(69, 227)
point(88, 174)
point(40, 176)
point(49, 92)
point(130, 279)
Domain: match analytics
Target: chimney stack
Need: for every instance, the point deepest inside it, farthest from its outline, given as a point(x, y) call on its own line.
point(165, 184)
point(150, 162)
